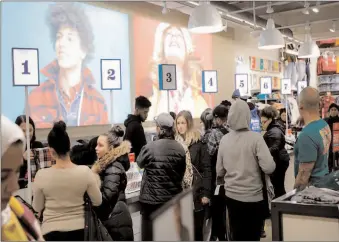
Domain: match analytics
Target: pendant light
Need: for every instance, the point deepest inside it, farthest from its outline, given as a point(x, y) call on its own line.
point(271, 38)
point(309, 48)
point(205, 19)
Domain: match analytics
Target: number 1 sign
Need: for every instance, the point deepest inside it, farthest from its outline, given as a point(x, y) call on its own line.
point(110, 74)
point(25, 64)
point(209, 82)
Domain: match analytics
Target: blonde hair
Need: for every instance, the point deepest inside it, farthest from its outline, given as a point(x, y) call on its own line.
point(191, 135)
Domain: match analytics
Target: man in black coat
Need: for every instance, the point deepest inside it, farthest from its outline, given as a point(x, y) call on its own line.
point(164, 161)
point(134, 130)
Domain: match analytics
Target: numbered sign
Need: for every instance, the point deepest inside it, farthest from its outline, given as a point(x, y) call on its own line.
point(25, 64)
point(209, 82)
point(266, 85)
point(286, 86)
point(301, 86)
point(110, 74)
point(167, 77)
point(241, 83)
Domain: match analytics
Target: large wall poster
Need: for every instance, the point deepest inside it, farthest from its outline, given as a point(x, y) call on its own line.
point(160, 43)
point(71, 38)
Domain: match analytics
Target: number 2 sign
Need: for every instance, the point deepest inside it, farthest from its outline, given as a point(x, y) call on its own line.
point(25, 64)
point(209, 82)
point(167, 77)
point(110, 74)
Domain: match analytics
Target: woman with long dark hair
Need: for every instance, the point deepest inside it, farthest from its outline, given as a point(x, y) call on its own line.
point(34, 144)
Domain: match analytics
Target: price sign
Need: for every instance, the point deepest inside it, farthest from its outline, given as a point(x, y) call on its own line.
point(209, 82)
point(266, 85)
point(301, 86)
point(25, 64)
point(241, 83)
point(286, 86)
point(110, 74)
point(167, 77)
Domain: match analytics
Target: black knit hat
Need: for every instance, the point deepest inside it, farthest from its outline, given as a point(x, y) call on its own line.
point(333, 105)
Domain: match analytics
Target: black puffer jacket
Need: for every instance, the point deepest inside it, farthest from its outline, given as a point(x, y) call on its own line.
point(275, 140)
point(202, 171)
point(113, 211)
point(165, 164)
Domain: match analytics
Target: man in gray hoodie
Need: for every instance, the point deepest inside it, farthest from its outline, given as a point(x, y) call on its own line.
point(242, 157)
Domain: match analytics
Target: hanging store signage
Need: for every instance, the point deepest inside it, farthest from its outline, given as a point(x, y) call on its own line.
point(241, 83)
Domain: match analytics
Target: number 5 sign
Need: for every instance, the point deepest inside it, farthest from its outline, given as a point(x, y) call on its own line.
point(286, 87)
point(266, 85)
point(241, 83)
point(209, 82)
point(110, 74)
point(25, 62)
point(167, 77)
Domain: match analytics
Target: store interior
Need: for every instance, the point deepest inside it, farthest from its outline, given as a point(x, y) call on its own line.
point(142, 35)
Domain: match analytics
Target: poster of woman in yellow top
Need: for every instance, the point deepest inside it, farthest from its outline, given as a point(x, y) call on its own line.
point(162, 43)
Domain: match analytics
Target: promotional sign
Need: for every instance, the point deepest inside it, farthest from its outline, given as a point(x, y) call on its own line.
point(25, 64)
point(301, 86)
point(167, 77)
point(110, 74)
point(266, 85)
point(209, 82)
point(286, 86)
point(241, 83)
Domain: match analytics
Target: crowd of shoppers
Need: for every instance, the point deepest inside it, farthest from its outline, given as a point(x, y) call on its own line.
point(226, 163)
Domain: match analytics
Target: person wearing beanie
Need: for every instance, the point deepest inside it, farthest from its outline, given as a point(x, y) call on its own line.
point(18, 223)
point(332, 118)
point(163, 160)
point(236, 94)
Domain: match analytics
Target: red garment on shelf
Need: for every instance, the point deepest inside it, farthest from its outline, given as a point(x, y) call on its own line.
point(326, 65)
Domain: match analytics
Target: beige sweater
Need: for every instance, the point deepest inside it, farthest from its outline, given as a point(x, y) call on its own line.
point(61, 193)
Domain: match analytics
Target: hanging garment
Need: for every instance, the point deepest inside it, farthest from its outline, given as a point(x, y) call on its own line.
point(294, 109)
point(255, 121)
point(308, 73)
point(326, 65)
point(301, 70)
point(291, 73)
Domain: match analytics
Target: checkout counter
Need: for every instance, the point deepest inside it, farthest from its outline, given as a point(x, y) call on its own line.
point(292, 221)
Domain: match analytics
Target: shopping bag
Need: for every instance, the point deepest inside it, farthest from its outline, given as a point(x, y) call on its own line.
point(94, 229)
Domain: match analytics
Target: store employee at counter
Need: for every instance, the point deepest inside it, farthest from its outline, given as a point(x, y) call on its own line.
point(313, 143)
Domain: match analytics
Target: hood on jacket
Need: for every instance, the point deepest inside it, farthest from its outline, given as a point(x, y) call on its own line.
point(118, 154)
point(239, 116)
point(236, 93)
point(10, 133)
point(276, 124)
point(132, 118)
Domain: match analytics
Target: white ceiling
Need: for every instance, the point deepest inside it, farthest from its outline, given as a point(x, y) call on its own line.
point(286, 14)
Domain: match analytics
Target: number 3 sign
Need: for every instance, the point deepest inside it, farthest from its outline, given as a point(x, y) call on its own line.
point(209, 82)
point(25, 62)
point(110, 74)
point(167, 77)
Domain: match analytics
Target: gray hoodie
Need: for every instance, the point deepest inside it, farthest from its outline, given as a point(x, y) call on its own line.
point(241, 152)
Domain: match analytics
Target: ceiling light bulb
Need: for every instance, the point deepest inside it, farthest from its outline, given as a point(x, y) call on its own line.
point(315, 10)
point(332, 29)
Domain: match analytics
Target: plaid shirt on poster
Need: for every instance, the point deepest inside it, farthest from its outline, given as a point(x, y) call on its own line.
point(46, 105)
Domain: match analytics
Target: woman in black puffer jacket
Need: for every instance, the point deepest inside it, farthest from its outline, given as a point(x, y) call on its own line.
point(164, 162)
point(275, 140)
point(112, 164)
point(198, 174)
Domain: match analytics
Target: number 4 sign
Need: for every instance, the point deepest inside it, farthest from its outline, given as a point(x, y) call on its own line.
point(209, 82)
point(167, 77)
point(110, 74)
point(286, 87)
point(25, 62)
